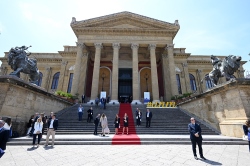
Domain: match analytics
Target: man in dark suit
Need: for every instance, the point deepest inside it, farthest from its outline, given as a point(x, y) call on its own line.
point(148, 118)
point(52, 127)
point(196, 138)
point(4, 136)
point(96, 122)
point(90, 114)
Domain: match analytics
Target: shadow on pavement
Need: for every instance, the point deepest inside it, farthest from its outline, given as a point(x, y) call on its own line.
point(211, 162)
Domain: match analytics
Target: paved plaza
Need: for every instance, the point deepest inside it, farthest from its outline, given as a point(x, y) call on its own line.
point(109, 155)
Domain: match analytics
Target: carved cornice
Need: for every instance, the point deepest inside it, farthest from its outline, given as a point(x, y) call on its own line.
point(116, 45)
point(134, 46)
point(181, 55)
point(64, 63)
point(67, 54)
point(112, 31)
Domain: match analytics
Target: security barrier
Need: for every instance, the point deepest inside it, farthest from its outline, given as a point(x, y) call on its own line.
point(161, 104)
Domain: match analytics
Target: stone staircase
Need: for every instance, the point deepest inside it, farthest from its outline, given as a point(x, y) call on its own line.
point(168, 126)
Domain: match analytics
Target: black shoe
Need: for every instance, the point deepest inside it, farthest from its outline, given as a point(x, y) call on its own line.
point(195, 157)
point(203, 158)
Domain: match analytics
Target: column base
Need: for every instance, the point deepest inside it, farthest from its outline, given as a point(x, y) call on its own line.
point(113, 102)
point(136, 102)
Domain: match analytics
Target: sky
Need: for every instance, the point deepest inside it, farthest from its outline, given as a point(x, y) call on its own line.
point(207, 27)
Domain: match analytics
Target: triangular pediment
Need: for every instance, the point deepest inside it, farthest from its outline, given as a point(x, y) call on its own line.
point(124, 20)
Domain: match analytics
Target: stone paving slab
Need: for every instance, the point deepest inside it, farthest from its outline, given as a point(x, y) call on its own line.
point(123, 155)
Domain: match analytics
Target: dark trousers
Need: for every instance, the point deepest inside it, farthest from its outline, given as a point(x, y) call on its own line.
point(148, 121)
point(89, 118)
point(249, 145)
point(80, 116)
point(138, 122)
point(39, 138)
point(95, 132)
point(199, 142)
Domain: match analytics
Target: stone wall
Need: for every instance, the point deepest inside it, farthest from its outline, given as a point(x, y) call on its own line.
point(225, 107)
point(19, 100)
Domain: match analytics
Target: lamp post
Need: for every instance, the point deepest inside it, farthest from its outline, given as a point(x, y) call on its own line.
point(103, 76)
point(146, 77)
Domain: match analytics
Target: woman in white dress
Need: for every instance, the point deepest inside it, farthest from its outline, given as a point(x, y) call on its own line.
point(38, 127)
point(104, 124)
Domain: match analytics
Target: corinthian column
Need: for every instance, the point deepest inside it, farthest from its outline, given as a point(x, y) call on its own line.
point(171, 65)
point(96, 71)
point(135, 80)
point(154, 76)
point(76, 77)
point(114, 92)
point(62, 74)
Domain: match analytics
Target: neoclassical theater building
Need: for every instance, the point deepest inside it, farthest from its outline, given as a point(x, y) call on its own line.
point(123, 54)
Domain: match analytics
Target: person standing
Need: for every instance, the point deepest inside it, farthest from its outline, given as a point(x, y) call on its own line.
point(138, 118)
point(30, 124)
point(44, 121)
point(80, 112)
point(96, 123)
point(38, 127)
point(8, 125)
point(104, 103)
point(4, 136)
point(196, 137)
point(117, 124)
point(125, 123)
point(52, 127)
point(104, 123)
point(96, 101)
point(246, 130)
point(148, 118)
point(83, 98)
point(90, 115)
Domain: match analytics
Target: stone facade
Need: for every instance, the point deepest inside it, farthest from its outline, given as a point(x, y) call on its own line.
point(225, 108)
point(106, 45)
point(19, 100)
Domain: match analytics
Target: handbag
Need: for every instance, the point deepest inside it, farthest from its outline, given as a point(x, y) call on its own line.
point(38, 132)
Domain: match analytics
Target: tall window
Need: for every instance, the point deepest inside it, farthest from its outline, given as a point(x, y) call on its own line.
point(55, 80)
point(192, 82)
point(209, 83)
point(178, 83)
point(70, 82)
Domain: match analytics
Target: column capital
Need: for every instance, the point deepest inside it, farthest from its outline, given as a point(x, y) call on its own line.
point(169, 46)
point(98, 45)
point(134, 46)
point(81, 45)
point(116, 45)
point(151, 46)
point(64, 63)
point(48, 68)
point(164, 55)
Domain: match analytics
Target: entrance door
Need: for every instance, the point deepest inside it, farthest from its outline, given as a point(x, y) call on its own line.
point(125, 85)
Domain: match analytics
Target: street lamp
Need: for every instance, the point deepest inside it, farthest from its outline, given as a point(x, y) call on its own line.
point(146, 77)
point(103, 76)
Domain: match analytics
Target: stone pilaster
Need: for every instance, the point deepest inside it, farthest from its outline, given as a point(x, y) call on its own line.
point(172, 73)
point(76, 77)
point(154, 76)
point(96, 71)
point(186, 77)
point(114, 92)
point(166, 78)
point(201, 86)
point(135, 80)
point(62, 74)
point(46, 78)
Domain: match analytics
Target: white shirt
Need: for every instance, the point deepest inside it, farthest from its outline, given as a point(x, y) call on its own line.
point(38, 127)
point(148, 114)
point(51, 124)
point(80, 109)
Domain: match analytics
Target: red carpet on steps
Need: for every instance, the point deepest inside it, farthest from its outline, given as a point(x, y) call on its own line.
point(131, 138)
